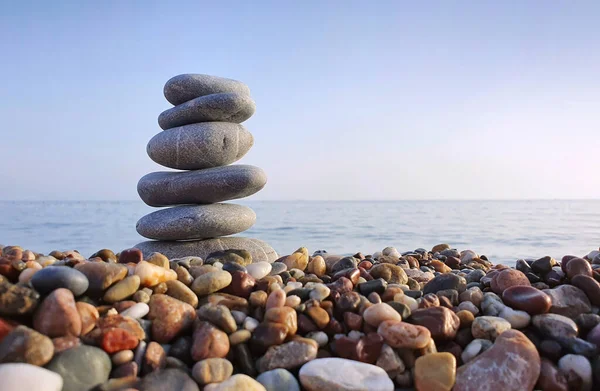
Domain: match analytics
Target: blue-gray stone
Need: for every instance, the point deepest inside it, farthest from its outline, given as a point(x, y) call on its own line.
point(259, 250)
point(82, 367)
point(181, 88)
point(164, 188)
point(202, 145)
point(225, 107)
point(189, 222)
point(53, 277)
point(278, 380)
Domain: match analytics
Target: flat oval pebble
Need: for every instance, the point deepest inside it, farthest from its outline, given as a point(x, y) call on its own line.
point(404, 335)
point(21, 377)
point(205, 186)
point(343, 375)
point(527, 298)
point(223, 107)
point(196, 222)
point(212, 370)
point(376, 314)
point(259, 250)
point(122, 289)
point(201, 145)
point(188, 86)
point(54, 277)
point(211, 282)
point(507, 278)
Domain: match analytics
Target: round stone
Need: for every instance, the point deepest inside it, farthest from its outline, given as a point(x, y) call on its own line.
point(137, 311)
point(81, 368)
point(581, 366)
point(212, 370)
point(54, 277)
point(21, 376)
point(205, 186)
point(278, 380)
point(211, 282)
point(188, 86)
point(122, 357)
point(555, 326)
point(188, 222)
point(259, 250)
point(444, 282)
point(378, 313)
point(527, 298)
point(27, 346)
point(578, 266)
point(343, 375)
point(201, 145)
point(404, 335)
point(568, 300)
point(589, 286)
point(222, 107)
point(507, 278)
point(57, 316)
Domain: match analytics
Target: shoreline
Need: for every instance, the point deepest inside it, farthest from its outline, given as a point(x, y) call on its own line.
point(421, 319)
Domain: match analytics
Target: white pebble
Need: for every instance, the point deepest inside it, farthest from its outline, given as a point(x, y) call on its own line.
point(354, 334)
point(137, 311)
point(218, 265)
point(259, 270)
point(318, 336)
point(250, 323)
point(580, 365)
point(517, 319)
point(407, 300)
point(320, 292)
point(20, 376)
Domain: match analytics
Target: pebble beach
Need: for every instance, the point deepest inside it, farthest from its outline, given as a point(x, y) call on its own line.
point(437, 319)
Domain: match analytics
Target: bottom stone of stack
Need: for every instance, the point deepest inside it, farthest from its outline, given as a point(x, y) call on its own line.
point(259, 250)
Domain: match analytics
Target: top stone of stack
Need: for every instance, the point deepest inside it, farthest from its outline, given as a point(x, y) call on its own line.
point(183, 88)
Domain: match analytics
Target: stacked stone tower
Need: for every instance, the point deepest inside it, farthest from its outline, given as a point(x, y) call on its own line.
point(202, 135)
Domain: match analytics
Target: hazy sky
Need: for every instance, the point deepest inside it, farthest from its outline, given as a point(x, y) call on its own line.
point(355, 100)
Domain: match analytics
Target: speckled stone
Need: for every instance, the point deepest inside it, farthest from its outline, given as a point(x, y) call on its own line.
point(568, 300)
point(27, 346)
point(205, 186)
point(187, 222)
point(188, 86)
point(223, 107)
point(259, 250)
point(201, 145)
point(489, 327)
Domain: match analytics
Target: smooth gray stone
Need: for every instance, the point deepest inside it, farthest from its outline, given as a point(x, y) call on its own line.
point(259, 250)
point(181, 88)
point(278, 380)
point(82, 368)
point(194, 222)
point(202, 145)
point(164, 188)
point(225, 107)
point(53, 277)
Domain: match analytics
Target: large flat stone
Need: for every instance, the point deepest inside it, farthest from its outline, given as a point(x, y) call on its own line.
point(225, 107)
point(260, 251)
point(192, 222)
point(202, 145)
point(201, 186)
point(181, 88)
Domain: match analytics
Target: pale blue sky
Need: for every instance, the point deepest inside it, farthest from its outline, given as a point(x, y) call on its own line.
point(355, 100)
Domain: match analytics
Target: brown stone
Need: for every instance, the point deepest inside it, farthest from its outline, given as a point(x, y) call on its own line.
point(209, 342)
point(88, 314)
point(116, 321)
point(317, 266)
point(131, 255)
point(297, 260)
point(6, 326)
point(551, 378)
point(17, 299)
point(285, 316)
point(127, 370)
point(219, 315)
point(527, 298)
point(440, 321)
point(429, 300)
point(242, 284)
point(155, 358)
point(435, 371)
point(466, 318)
point(404, 335)
point(101, 275)
point(57, 315)
point(170, 317)
point(512, 363)
point(507, 278)
point(180, 291)
point(578, 266)
point(393, 274)
point(319, 316)
point(290, 355)
point(24, 345)
point(65, 343)
point(589, 286)
point(266, 335)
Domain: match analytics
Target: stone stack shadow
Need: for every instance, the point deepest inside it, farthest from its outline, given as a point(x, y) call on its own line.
point(202, 135)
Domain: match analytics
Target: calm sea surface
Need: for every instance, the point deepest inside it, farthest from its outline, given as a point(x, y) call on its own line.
point(503, 230)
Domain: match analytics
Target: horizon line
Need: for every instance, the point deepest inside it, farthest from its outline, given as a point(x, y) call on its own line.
point(328, 200)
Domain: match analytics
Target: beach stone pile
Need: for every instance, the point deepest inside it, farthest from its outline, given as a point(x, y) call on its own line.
point(438, 319)
point(203, 136)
